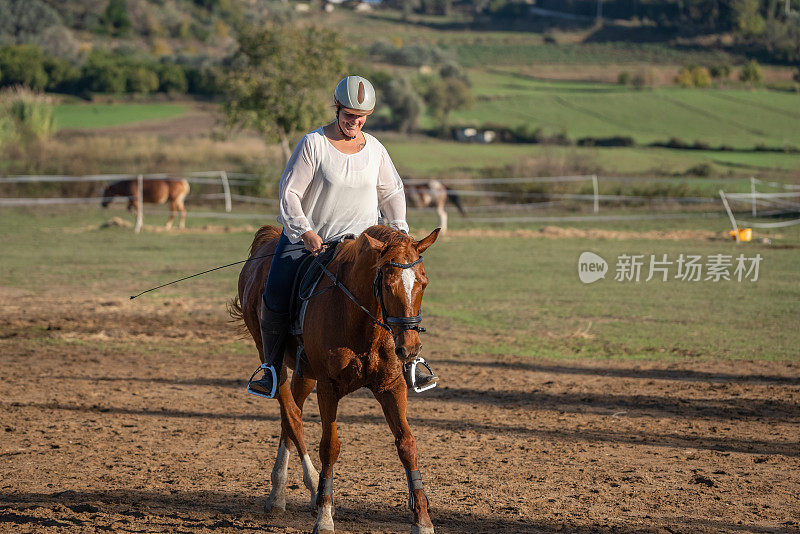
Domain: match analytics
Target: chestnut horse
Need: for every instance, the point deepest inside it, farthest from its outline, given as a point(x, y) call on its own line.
point(433, 194)
point(154, 191)
point(346, 350)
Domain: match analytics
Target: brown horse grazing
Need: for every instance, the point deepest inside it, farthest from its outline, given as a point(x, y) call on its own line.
point(154, 191)
point(346, 350)
point(433, 194)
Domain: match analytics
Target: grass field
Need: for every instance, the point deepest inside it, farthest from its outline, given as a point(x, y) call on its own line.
point(486, 295)
point(738, 118)
point(89, 116)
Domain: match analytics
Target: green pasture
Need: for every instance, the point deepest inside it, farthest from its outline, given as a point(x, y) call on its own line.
point(476, 46)
point(738, 118)
point(89, 116)
point(416, 156)
point(486, 294)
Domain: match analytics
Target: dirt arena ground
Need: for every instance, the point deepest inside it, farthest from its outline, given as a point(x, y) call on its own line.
point(134, 418)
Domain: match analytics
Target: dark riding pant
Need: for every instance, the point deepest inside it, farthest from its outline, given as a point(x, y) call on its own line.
point(287, 259)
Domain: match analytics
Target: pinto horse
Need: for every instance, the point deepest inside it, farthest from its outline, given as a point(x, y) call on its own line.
point(346, 350)
point(433, 194)
point(154, 191)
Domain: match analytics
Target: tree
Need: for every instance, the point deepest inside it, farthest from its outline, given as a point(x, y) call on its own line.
point(116, 17)
point(404, 102)
point(22, 20)
point(751, 73)
point(282, 79)
point(23, 65)
point(748, 17)
point(446, 95)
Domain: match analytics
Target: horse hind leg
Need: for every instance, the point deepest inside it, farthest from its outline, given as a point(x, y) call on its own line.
point(280, 473)
point(301, 389)
point(442, 218)
point(291, 402)
point(172, 210)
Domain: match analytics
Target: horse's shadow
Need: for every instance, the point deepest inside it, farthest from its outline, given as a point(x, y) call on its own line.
point(202, 510)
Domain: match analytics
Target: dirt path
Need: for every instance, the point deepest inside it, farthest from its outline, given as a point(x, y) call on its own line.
point(138, 421)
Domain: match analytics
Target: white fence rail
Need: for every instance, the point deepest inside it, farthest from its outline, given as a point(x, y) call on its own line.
point(776, 203)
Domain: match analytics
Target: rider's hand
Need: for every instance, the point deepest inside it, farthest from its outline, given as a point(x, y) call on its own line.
point(312, 242)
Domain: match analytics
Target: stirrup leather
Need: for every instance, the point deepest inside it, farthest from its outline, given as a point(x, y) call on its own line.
point(410, 374)
point(274, 376)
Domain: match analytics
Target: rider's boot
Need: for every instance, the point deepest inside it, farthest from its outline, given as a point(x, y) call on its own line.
point(274, 328)
point(423, 377)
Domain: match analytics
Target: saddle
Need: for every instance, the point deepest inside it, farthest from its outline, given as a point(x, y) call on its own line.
point(304, 287)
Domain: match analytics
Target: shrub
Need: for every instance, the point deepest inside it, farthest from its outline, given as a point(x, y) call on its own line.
point(61, 75)
point(685, 78)
point(116, 17)
point(207, 81)
point(701, 169)
point(103, 73)
point(26, 115)
point(172, 79)
point(624, 78)
point(639, 81)
point(751, 72)
point(142, 80)
point(720, 71)
point(701, 77)
point(23, 65)
point(607, 141)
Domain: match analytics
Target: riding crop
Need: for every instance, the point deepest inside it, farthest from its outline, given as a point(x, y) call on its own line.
point(214, 269)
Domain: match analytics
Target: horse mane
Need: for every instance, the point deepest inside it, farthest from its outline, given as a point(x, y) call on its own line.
point(349, 250)
point(264, 234)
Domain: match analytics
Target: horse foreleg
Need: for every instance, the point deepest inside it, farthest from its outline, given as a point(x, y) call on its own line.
point(393, 403)
point(328, 452)
point(301, 389)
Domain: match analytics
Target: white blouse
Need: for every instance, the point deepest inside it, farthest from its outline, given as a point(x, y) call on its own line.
point(336, 194)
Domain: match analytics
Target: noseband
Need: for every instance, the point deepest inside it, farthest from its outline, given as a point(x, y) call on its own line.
point(404, 323)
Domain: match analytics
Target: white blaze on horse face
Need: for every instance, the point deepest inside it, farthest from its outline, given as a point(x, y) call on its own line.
point(409, 277)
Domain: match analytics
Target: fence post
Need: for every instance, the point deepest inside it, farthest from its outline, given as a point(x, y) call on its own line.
point(753, 194)
point(730, 215)
point(226, 188)
point(139, 202)
point(596, 197)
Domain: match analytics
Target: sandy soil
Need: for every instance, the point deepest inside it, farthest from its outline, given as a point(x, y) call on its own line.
point(132, 417)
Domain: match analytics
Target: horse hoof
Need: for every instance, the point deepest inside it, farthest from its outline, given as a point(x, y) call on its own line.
point(277, 506)
point(419, 529)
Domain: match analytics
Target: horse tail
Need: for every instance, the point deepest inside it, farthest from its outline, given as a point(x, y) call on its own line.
point(456, 200)
point(264, 234)
point(234, 307)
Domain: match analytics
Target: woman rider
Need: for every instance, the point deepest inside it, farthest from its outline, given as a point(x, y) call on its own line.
point(333, 185)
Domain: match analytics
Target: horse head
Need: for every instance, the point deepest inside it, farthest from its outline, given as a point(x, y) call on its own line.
point(399, 284)
point(106, 197)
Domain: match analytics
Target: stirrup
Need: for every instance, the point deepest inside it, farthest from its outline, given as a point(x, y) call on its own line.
point(274, 375)
point(410, 374)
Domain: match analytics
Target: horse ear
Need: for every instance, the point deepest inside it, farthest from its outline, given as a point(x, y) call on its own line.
point(425, 242)
point(374, 244)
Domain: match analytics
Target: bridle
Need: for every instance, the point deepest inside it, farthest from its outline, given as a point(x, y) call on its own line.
point(404, 323)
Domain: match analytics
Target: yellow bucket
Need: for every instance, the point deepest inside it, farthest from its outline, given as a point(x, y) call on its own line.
point(745, 234)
